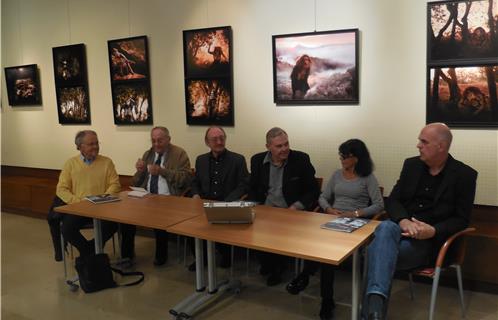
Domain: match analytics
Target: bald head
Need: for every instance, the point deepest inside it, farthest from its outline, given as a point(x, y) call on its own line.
point(442, 133)
point(434, 143)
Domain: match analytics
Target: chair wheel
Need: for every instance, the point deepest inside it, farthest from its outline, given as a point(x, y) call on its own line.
point(73, 287)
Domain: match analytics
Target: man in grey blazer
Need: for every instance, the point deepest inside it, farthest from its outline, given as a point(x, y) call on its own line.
point(220, 175)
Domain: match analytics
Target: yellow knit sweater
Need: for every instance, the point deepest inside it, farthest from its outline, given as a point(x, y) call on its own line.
point(78, 180)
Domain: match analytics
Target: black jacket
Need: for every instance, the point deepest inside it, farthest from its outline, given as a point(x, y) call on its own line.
point(234, 176)
point(298, 181)
point(453, 200)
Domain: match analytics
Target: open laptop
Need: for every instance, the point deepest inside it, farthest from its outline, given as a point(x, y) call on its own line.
point(229, 212)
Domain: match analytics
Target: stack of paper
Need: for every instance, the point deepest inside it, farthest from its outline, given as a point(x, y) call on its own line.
point(137, 192)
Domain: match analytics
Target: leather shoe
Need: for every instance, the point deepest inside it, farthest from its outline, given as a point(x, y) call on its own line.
point(327, 310)
point(159, 261)
point(374, 316)
point(273, 280)
point(264, 271)
point(191, 267)
point(298, 284)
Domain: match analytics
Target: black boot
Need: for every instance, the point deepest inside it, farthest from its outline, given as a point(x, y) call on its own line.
point(327, 309)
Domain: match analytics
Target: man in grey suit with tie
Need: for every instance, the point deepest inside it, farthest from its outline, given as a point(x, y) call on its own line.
point(163, 169)
point(220, 175)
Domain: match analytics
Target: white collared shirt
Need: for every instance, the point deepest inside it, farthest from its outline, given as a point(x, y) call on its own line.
point(162, 184)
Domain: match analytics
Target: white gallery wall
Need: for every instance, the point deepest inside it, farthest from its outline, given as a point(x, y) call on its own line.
point(392, 81)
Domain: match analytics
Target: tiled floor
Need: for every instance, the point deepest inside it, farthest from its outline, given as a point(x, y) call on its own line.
point(33, 288)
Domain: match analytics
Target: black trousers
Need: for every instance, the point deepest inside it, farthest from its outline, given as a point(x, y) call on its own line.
point(71, 226)
point(272, 263)
point(128, 232)
point(327, 275)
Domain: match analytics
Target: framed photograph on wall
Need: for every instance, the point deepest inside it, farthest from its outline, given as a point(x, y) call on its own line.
point(128, 58)
point(463, 96)
point(71, 84)
point(69, 65)
point(130, 81)
point(73, 105)
point(207, 61)
point(316, 68)
point(209, 101)
point(23, 85)
point(131, 103)
point(462, 30)
point(207, 52)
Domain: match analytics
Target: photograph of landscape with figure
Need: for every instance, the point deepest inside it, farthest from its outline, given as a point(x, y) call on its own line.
point(131, 103)
point(128, 58)
point(463, 30)
point(130, 81)
point(209, 102)
point(72, 105)
point(316, 68)
point(207, 52)
point(23, 86)
point(69, 64)
point(463, 96)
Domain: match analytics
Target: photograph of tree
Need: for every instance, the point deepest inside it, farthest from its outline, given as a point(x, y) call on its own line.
point(207, 52)
point(316, 68)
point(130, 80)
point(463, 96)
point(128, 58)
point(132, 103)
point(463, 30)
point(209, 101)
point(73, 105)
point(71, 84)
point(69, 65)
point(23, 87)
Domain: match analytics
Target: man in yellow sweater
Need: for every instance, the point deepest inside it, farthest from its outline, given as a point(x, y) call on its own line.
point(83, 175)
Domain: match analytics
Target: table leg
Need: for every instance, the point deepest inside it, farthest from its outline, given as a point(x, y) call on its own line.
point(356, 285)
point(187, 307)
point(211, 252)
point(199, 266)
point(97, 235)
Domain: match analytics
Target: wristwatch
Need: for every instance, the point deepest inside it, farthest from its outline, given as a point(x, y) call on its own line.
point(356, 213)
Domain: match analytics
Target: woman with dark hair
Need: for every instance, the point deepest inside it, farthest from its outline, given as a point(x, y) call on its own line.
point(352, 191)
point(299, 77)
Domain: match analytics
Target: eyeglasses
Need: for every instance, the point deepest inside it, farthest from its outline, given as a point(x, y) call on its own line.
point(345, 156)
point(219, 138)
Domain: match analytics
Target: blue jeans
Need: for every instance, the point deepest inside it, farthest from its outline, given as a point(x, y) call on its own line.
point(388, 252)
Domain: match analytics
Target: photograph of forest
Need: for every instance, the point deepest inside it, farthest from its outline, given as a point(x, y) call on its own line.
point(463, 30)
point(209, 102)
point(463, 96)
point(320, 67)
point(131, 104)
point(207, 52)
point(72, 105)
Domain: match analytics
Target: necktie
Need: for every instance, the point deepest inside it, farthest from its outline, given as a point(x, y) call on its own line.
point(155, 179)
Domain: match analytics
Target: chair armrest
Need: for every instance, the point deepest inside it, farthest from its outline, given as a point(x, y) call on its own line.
point(381, 216)
point(444, 249)
point(316, 209)
point(244, 197)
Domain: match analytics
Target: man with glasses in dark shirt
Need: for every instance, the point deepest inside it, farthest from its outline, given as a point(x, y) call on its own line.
point(220, 175)
point(432, 200)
